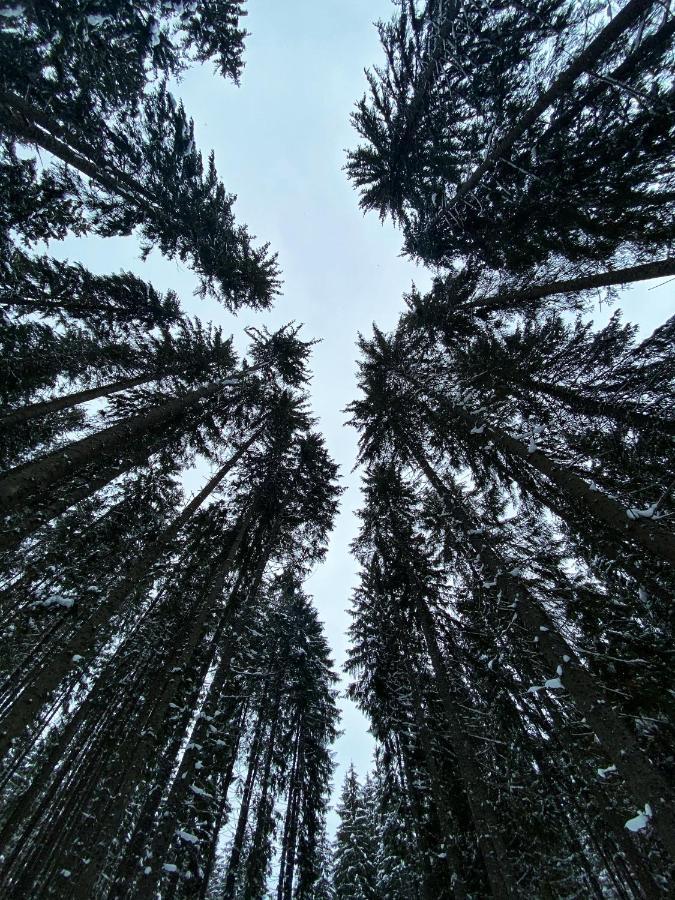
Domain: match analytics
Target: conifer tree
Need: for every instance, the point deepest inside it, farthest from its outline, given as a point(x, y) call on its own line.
point(463, 148)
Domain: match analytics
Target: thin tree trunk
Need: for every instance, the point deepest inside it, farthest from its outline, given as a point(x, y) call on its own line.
point(454, 858)
point(32, 520)
point(35, 127)
point(584, 62)
point(652, 43)
point(257, 861)
point(643, 781)
point(291, 844)
point(512, 300)
point(133, 761)
point(35, 410)
point(242, 821)
point(290, 802)
point(659, 542)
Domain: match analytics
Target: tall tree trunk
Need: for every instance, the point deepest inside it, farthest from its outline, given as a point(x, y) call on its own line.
point(36, 127)
point(648, 48)
point(256, 862)
point(35, 410)
point(624, 413)
point(209, 862)
point(292, 836)
point(89, 483)
point(642, 779)
point(454, 858)
point(493, 850)
point(242, 821)
point(45, 474)
point(290, 803)
point(176, 802)
point(514, 300)
point(86, 639)
point(134, 758)
point(584, 62)
point(658, 541)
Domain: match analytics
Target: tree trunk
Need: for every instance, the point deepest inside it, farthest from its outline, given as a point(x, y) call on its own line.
point(84, 641)
point(46, 473)
point(35, 127)
point(454, 858)
point(242, 821)
point(513, 300)
point(493, 850)
point(642, 780)
point(91, 482)
point(35, 410)
point(292, 837)
point(256, 863)
point(134, 759)
point(652, 44)
point(590, 406)
point(659, 542)
point(290, 803)
point(584, 62)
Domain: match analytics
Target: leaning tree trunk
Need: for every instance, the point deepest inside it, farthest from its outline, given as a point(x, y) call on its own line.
point(285, 887)
point(642, 779)
point(135, 756)
point(584, 62)
point(454, 860)
point(46, 474)
point(35, 127)
point(242, 821)
point(89, 636)
point(579, 494)
point(290, 804)
point(625, 414)
point(507, 300)
point(203, 754)
point(44, 408)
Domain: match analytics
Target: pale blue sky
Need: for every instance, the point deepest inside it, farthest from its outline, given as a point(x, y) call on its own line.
point(279, 141)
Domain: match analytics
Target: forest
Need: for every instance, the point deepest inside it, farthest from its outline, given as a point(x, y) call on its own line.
point(169, 700)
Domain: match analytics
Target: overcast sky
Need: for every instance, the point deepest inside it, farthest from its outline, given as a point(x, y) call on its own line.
point(280, 141)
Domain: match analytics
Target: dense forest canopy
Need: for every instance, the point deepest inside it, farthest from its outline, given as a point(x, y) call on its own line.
point(168, 697)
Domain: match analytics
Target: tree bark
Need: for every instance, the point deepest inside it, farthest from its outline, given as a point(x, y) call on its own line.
point(35, 410)
point(659, 542)
point(46, 473)
point(242, 821)
point(506, 300)
point(590, 406)
point(493, 850)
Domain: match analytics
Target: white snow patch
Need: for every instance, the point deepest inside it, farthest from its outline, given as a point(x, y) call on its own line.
point(647, 513)
point(187, 837)
point(639, 822)
point(199, 792)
